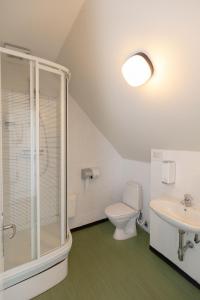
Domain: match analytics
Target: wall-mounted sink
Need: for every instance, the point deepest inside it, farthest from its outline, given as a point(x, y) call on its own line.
point(177, 214)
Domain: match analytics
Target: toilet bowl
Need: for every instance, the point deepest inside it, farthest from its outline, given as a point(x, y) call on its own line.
point(124, 214)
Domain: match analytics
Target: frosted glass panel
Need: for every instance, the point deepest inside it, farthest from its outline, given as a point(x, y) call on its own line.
point(32, 162)
point(50, 156)
point(16, 157)
point(32, 178)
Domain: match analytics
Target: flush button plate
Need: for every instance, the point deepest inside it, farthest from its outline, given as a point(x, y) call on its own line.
point(156, 155)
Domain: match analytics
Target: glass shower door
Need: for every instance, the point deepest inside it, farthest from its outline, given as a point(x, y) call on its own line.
point(32, 161)
point(50, 122)
point(17, 167)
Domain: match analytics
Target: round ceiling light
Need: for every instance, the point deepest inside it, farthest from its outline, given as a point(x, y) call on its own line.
point(137, 69)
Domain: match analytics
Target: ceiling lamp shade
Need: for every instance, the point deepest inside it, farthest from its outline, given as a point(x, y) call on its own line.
point(137, 69)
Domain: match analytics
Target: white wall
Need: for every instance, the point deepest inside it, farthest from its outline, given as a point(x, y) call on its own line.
point(187, 174)
point(41, 26)
point(89, 148)
point(164, 113)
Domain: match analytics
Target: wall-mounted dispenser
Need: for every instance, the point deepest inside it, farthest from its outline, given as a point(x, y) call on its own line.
point(168, 172)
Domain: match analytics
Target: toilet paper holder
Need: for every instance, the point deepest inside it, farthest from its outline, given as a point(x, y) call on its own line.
point(86, 173)
point(90, 173)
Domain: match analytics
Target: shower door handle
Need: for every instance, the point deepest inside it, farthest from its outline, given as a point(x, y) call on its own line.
point(10, 226)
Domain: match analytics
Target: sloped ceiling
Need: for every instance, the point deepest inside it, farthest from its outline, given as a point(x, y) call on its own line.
point(165, 113)
point(40, 25)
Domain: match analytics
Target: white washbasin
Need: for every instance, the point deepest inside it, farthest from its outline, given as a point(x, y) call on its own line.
point(175, 213)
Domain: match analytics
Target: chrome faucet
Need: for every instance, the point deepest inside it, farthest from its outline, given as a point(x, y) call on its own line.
point(187, 201)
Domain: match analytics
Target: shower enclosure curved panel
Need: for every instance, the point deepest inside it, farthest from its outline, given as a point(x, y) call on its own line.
point(33, 232)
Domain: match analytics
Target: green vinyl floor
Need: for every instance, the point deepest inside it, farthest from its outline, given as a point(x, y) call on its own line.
point(101, 268)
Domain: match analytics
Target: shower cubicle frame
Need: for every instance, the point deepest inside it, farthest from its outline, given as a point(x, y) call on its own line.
point(12, 277)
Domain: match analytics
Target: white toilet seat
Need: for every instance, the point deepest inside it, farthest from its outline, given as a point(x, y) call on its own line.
point(120, 210)
point(123, 215)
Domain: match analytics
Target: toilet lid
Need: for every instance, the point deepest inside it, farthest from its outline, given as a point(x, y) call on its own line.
point(119, 209)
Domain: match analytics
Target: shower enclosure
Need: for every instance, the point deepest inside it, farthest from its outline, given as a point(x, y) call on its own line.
point(34, 238)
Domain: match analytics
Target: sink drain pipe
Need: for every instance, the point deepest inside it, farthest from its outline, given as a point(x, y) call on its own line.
point(183, 248)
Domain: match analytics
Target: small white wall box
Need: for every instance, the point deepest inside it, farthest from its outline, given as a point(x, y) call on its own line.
point(168, 172)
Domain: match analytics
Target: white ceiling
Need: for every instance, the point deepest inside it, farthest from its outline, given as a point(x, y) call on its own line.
point(165, 113)
point(40, 25)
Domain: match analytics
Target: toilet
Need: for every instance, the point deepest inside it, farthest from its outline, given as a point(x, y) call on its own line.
point(124, 214)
